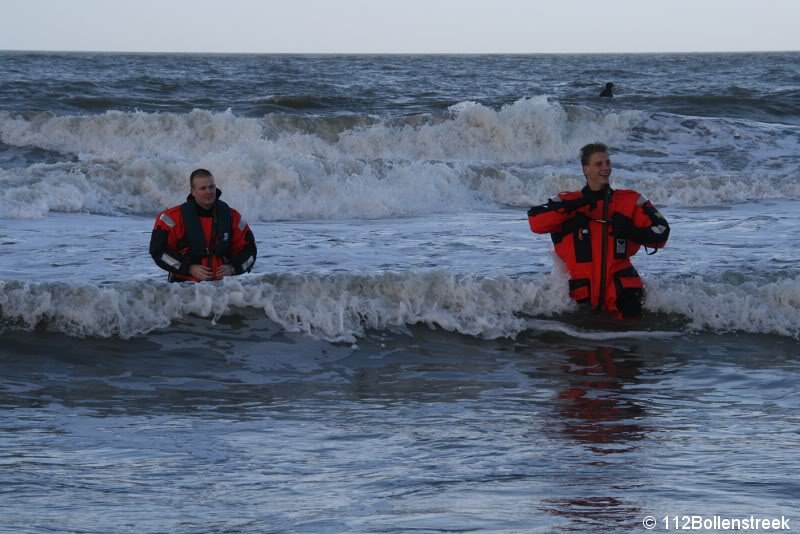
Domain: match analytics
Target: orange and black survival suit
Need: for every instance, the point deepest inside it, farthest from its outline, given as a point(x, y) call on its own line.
point(595, 233)
point(186, 235)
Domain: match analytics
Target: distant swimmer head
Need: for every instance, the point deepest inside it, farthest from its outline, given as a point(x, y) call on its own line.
point(596, 165)
point(609, 85)
point(609, 90)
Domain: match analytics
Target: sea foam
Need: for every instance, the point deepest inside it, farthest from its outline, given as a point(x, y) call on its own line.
point(336, 307)
point(344, 306)
point(470, 157)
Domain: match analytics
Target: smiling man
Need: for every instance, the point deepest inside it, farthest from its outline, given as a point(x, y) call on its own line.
point(596, 230)
point(203, 238)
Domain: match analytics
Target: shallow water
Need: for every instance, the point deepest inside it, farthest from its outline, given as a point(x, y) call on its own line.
point(246, 427)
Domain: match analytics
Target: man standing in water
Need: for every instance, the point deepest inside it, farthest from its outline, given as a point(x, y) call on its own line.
point(203, 238)
point(596, 230)
point(608, 91)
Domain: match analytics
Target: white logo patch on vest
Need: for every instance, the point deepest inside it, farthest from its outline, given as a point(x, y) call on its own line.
point(225, 236)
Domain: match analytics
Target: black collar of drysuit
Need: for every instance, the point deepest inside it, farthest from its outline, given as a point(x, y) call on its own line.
point(595, 195)
point(201, 211)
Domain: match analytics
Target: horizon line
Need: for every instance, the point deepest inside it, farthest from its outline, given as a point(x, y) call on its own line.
point(206, 53)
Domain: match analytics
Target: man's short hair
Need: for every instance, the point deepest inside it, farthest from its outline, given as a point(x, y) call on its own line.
point(591, 148)
point(199, 173)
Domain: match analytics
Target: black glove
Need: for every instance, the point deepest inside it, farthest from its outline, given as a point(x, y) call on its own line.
point(570, 206)
point(623, 228)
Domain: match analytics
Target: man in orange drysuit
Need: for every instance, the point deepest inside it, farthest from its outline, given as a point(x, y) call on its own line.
point(203, 238)
point(596, 230)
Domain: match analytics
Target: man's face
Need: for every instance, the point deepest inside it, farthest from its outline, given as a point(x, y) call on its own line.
point(597, 171)
point(204, 191)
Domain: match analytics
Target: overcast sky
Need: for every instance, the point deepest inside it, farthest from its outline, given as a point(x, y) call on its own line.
point(401, 26)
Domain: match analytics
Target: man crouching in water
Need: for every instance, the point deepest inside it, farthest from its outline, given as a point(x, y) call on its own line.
point(595, 231)
point(203, 238)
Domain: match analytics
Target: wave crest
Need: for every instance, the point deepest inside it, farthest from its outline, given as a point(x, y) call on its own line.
point(342, 307)
point(471, 157)
point(335, 307)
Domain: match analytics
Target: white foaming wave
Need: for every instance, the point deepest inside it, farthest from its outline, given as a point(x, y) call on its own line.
point(120, 136)
point(753, 306)
point(276, 183)
point(711, 190)
point(337, 307)
point(344, 306)
point(531, 129)
point(305, 187)
point(473, 158)
point(521, 188)
point(137, 162)
point(97, 188)
point(314, 188)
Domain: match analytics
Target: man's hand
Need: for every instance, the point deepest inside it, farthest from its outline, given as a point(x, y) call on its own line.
point(571, 206)
point(623, 228)
point(201, 272)
point(223, 271)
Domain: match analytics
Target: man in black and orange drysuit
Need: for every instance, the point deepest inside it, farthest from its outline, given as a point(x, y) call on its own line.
point(203, 238)
point(596, 230)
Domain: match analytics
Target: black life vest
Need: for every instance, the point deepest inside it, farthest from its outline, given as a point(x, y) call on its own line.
point(221, 230)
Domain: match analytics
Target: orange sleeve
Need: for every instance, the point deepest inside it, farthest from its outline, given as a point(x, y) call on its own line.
point(550, 217)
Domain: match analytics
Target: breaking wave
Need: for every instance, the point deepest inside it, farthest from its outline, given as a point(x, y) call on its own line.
point(470, 157)
point(344, 306)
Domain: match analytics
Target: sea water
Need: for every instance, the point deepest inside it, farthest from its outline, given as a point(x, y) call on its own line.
point(404, 355)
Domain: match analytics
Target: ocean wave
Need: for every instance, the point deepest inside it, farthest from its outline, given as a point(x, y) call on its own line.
point(531, 129)
point(336, 307)
point(780, 106)
point(121, 136)
point(711, 189)
point(747, 305)
point(471, 157)
point(343, 307)
point(315, 188)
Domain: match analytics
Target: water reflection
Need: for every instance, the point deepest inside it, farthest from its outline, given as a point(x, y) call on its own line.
point(604, 514)
point(593, 406)
point(596, 413)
